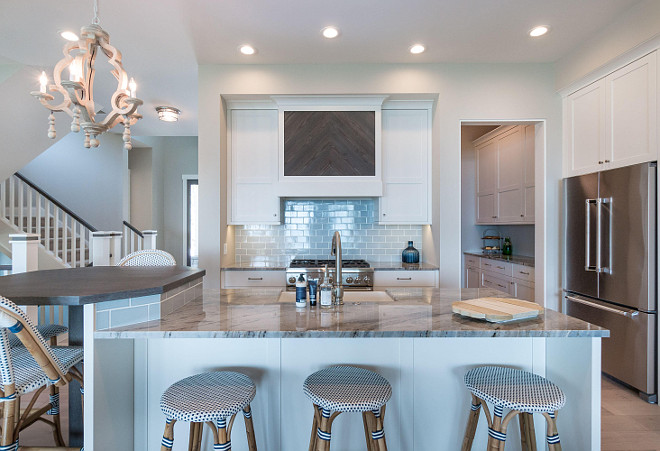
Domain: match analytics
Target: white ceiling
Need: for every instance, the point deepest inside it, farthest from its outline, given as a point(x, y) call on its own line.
point(163, 41)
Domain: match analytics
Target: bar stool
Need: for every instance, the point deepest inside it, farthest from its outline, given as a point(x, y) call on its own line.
point(347, 389)
point(523, 393)
point(209, 398)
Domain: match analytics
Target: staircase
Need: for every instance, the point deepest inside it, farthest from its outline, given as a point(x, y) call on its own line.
point(65, 238)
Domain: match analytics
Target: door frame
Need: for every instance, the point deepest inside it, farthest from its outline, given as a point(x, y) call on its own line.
point(187, 180)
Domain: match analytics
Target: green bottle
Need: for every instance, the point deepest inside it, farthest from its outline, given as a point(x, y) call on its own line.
point(506, 248)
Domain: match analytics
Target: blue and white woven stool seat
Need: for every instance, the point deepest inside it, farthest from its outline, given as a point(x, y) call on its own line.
point(28, 374)
point(148, 257)
point(347, 389)
point(514, 389)
point(47, 331)
point(208, 396)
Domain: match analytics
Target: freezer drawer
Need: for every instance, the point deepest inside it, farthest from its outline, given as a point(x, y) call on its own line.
point(629, 353)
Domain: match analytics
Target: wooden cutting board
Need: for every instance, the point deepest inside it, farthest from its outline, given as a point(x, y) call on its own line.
point(497, 310)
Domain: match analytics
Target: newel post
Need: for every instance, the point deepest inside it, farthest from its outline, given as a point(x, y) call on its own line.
point(106, 248)
point(150, 238)
point(24, 252)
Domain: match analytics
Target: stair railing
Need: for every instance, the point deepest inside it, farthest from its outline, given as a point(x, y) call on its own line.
point(133, 239)
point(33, 210)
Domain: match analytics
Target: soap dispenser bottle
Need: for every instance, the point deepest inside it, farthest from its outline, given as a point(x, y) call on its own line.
point(301, 292)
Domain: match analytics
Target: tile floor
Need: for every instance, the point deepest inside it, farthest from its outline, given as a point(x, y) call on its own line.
point(628, 423)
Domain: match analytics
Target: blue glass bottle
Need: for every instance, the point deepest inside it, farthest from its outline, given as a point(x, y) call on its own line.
point(410, 254)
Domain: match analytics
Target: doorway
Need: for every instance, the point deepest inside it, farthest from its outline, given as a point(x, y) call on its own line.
point(191, 216)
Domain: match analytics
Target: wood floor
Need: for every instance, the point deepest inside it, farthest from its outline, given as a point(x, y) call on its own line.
point(628, 423)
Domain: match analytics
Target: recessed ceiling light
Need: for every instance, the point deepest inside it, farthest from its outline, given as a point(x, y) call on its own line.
point(246, 49)
point(330, 32)
point(168, 113)
point(69, 35)
point(539, 31)
point(417, 48)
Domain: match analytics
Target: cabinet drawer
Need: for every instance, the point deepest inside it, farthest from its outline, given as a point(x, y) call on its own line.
point(523, 272)
point(405, 279)
point(496, 283)
point(496, 266)
point(243, 279)
point(471, 260)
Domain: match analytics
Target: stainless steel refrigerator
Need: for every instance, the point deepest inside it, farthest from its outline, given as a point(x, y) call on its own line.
point(610, 267)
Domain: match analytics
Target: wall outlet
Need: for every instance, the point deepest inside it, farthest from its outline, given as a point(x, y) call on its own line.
point(224, 248)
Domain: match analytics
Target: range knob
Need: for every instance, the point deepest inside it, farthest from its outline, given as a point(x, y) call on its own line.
point(357, 279)
point(292, 280)
point(349, 280)
point(366, 279)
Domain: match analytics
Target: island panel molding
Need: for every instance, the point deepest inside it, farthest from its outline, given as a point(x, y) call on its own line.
point(330, 143)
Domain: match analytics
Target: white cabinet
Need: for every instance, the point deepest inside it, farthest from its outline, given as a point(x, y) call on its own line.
point(391, 279)
point(515, 279)
point(613, 122)
point(253, 141)
point(505, 176)
point(253, 278)
point(406, 162)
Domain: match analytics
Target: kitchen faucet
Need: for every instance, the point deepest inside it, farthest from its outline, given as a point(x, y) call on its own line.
point(336, 251)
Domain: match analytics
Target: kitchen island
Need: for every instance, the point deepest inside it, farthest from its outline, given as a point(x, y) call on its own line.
point(411, 337)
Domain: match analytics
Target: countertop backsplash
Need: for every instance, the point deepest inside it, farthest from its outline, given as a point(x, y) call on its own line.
point(308, 228)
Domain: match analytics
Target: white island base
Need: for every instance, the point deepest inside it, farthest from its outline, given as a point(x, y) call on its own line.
point(428, 410)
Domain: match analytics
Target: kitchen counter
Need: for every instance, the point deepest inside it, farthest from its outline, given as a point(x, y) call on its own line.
point(259, 266)
point(411, 312)
point(377, 266)
point(404, 266)
point(517, 259)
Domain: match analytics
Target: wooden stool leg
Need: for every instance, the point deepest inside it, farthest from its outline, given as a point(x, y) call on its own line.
point(249, 428)
point(54, 399)
point(324, 431)
point(473, 421)
point(377, 431)
point(315, 424)
point(9, 416)
point(195, 439)
point(223, 436)
point(168, 436)
point(527, 434)
point(495, 436)
point(552, 435)
point(367, 431)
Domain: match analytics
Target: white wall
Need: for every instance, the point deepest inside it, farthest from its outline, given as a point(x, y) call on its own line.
point(170, 157)
point(141, 202)
point(88, 181)
point(24, 131)
point(638, 25)
point(465, 92)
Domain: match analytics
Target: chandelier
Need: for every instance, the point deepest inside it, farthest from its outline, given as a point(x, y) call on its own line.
point(77, 91)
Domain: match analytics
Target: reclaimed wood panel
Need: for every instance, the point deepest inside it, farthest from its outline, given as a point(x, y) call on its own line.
point(330, 143)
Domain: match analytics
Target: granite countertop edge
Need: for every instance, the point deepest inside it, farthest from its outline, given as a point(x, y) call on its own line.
point(375, 266)
point(517, 259)
point(356, 334)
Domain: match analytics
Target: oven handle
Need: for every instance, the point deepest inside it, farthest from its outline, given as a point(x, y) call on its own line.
point(626, 313)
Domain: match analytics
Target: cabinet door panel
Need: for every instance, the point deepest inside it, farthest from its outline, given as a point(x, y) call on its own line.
point(486, 213)
point(253, 202)
point(254, 145)
point(529, 155)
point(586, 128)
point(510, 205)
point(632, 97)
point(404, 203)
point(510, 169)
point(472, 278)
point(487, 168)
point(523, 291)
point(528, 213)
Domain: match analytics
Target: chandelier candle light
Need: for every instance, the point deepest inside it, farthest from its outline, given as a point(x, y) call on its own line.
point(77, 91)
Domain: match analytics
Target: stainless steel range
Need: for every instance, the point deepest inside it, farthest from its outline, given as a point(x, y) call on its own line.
point(356, 274)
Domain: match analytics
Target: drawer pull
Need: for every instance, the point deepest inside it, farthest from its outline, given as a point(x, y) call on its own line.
point(501, 286)
point(500, 267)
point(255, 278)
point(523, 272)
point(404, 278)
point(487, 264)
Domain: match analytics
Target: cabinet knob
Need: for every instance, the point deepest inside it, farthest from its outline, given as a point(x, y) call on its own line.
point(384, 214)
point(274, 214)
point(494, 217)
point(607, 161)
point(600, 162)
point(522, 216)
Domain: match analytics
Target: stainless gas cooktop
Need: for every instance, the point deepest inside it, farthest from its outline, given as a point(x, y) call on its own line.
point(356, 274)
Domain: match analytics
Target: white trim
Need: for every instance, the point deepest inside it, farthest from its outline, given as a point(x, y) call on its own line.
point(329, 102)
point(185, 178)
point(251, 105)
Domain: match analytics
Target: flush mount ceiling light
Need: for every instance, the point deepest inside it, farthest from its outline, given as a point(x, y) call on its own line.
point(77, 92)
point(168, 113)
point(417, 48)
point(69, 35)
point(539, 31)
point(247, 49)
point(330, 32)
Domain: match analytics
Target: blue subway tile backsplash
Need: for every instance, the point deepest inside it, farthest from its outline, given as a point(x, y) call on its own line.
point(308, 228)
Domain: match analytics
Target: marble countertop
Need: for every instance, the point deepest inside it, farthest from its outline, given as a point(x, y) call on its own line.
point(518, 259)
point(376, 266)
point(411, 312)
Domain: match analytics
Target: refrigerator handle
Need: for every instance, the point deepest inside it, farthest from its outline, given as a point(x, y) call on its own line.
point(587, 236)
point(606, 269)
point(626, 313)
